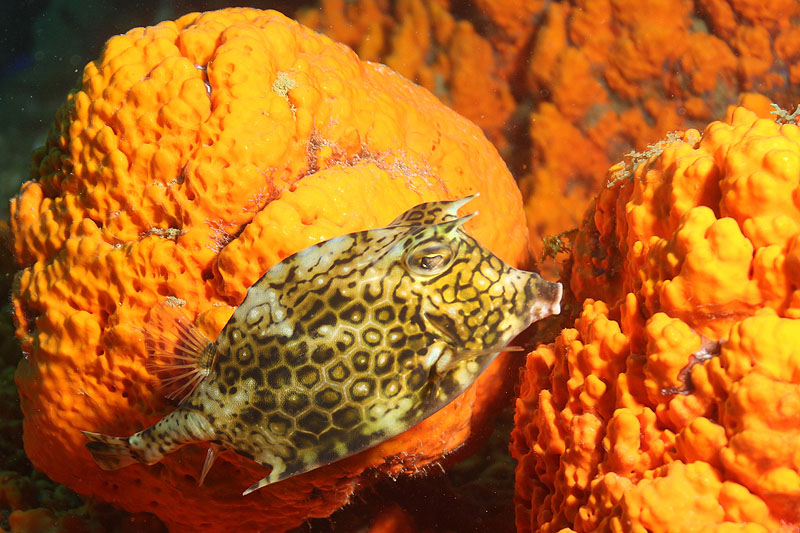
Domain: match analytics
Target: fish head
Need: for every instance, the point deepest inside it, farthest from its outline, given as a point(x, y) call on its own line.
point(468, 295)
point(467, 302)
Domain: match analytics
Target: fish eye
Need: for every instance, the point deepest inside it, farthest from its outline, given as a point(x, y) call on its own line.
point(429, 258)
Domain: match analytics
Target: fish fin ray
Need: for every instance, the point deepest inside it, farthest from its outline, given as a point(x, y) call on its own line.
point(443, 366)
point(441, 327)
point(178, 354)
point(211, 456)
point(110, 453)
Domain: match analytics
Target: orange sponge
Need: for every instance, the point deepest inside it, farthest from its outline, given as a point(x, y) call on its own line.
point(674, 403)
point(194, 155)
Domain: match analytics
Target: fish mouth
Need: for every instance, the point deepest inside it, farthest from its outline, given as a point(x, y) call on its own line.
point(549, 303)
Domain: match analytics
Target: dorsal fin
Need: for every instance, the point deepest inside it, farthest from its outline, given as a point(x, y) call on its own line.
point(179, 355)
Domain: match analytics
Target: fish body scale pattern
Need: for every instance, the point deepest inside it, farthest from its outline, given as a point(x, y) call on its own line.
point(300, 374)
point(342, 346)
point(330, 353)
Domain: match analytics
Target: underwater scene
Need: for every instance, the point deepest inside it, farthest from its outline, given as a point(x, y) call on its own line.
point(400, 266)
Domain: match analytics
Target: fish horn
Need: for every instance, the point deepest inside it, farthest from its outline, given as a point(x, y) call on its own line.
point(431, 213)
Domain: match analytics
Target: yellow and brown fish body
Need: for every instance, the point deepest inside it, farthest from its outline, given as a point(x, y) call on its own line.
point(347, 344)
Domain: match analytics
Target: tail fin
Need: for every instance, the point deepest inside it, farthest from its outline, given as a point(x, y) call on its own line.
point(110, 453)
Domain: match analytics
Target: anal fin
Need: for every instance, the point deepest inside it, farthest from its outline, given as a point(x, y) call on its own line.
point(179, 355)
point(449, 361)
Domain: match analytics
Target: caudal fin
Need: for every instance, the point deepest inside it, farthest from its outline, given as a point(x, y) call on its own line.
point(110, 453)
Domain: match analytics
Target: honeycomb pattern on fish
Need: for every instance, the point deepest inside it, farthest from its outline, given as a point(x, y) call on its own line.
point(347, 344)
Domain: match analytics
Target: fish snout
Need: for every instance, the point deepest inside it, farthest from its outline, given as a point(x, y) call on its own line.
point(547, 301)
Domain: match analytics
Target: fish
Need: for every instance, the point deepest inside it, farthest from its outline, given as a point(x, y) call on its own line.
point(337, 348)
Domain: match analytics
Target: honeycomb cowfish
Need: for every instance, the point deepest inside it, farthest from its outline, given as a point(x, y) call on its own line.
point(338, 347)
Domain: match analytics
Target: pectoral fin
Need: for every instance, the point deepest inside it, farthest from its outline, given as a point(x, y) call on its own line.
point(452, 331)
point(445, 365)
point(179, 355)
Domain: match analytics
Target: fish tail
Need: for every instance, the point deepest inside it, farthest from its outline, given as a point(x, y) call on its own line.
point(149, 446)
point(110, 453)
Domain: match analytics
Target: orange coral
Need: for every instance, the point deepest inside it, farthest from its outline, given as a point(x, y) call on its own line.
point(508, 24)
point(649, 67)
point(677, 400)
point(196, 154)
point(596, 78)
point(425, 43)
